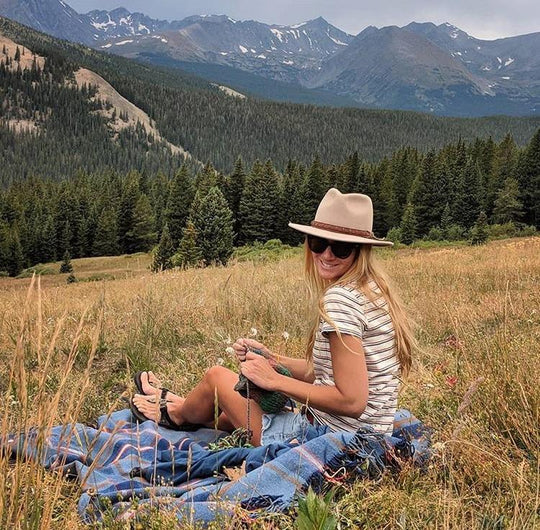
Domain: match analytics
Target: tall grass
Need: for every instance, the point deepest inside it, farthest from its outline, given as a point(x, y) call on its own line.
point(67, 353)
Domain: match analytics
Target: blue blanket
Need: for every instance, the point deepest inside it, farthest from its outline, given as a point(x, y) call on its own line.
point(124, 467)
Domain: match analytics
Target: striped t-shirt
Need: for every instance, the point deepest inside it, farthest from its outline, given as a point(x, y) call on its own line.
point(354, 314)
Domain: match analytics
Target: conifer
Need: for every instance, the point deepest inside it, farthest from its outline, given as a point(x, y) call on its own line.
point(66, 265)
point(409, 225)
point(106, 237)
point(189, 253)
point(259, 205)
point(143, 234)
point(179, 202)
point(162, 254)
point(480, 230)
point(213, 222)
point(508, 208)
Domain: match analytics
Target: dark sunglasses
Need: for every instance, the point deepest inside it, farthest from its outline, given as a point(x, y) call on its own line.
point(340, 249)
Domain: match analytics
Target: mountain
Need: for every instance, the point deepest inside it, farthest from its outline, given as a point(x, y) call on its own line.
point(436, 69)
point(54, 17)
point(277, 52)
point(424, 67)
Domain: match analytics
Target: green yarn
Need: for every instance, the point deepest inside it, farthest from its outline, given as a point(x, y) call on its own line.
point(270, 401)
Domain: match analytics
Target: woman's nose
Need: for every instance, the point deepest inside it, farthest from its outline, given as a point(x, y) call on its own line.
point(328, 254)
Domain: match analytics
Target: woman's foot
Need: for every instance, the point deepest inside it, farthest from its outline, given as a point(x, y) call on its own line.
point(149, 407)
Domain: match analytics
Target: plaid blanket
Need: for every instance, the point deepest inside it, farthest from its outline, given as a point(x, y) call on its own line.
point(124, 467)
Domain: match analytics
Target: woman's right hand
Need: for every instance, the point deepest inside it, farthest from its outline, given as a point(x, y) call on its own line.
point(241, 347)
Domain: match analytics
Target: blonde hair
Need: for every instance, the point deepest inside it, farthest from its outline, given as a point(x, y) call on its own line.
point(363, 269)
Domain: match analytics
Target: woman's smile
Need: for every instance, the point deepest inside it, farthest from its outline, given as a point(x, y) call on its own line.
point(329, 267)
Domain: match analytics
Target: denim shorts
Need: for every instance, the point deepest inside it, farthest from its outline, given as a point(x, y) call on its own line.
point(283, 426)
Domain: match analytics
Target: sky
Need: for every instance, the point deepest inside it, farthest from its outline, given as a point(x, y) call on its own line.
point(483, 19)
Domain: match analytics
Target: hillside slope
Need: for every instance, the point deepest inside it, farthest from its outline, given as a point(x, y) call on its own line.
point(192, 113)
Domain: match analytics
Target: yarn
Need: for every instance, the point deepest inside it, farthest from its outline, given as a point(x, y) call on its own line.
point(270, 401)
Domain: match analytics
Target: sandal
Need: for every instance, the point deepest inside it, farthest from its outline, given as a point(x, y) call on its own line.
point(138, 383)
point(165, 419)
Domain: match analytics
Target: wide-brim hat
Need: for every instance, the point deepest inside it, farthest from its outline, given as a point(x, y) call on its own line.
point(344, 217)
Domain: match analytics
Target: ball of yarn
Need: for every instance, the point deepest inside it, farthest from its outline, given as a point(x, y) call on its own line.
point(270, 401)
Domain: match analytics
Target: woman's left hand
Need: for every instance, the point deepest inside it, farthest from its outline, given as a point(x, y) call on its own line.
point(258, 370)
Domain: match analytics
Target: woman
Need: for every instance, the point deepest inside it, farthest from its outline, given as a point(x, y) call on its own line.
point(360, 344)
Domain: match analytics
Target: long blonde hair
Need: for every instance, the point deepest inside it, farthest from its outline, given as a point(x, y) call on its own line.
point(363, 269)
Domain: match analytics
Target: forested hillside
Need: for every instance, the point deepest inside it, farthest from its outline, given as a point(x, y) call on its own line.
point(435, 195)
point(191, 113)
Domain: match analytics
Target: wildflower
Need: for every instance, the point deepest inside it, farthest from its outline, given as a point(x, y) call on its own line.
point(451, 381)
point(229, 350)
point(253, 332)
point(220, 361)
point(285, 335)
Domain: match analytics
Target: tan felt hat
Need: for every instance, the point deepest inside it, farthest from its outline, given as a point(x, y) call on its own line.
point(344, 217)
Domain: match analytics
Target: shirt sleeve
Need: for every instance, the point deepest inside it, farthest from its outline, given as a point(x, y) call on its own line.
point(345, 308)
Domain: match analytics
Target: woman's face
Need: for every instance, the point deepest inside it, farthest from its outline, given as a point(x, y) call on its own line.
point(329, 266)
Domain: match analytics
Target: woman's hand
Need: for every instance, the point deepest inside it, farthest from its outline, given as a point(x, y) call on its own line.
point(241, 347)
point(258, 370)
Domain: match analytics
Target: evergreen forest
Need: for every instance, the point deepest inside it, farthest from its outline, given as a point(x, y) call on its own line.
point(199, 216)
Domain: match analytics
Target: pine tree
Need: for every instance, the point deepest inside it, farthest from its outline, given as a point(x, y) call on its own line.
point(316, 186)
point(351, 170)
point(213, 222)
point(179, 202)
point(189, 253)
point(504, 167)
point(126, 214)
point(428, 195)
point(293, 204)
point(259, 205)
point(234, 187)
point(48, 240)
point(143, 233)
point(480, 230)
point(529, 181)
point(162, 254)
point(66, 265)
point(409, 225)
point(106, 238)
point(15, 257)
point(466, 208)
point(206, 179)
point(446, 219)
point(508, 208)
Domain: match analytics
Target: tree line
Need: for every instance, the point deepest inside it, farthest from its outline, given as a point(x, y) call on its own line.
point(198, 216)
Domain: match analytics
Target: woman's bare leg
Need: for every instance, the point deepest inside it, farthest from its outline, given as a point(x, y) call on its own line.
point(216, 389)
point(213, 394)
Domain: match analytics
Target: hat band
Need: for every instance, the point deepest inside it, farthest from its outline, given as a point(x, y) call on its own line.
point(343, 230)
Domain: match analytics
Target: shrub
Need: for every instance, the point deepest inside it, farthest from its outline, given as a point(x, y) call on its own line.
point(455, 233)
point(394, 235)
point(435, 233)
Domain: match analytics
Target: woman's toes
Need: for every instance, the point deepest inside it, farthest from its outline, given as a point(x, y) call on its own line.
point(150, 383)
point(147, 405)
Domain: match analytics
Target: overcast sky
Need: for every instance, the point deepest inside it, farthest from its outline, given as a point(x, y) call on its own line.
point(484, 19)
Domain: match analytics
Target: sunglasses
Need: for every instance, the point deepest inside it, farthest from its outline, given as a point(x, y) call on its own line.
point(340, 249)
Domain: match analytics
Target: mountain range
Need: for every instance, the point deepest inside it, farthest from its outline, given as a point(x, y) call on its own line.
point(422, 66)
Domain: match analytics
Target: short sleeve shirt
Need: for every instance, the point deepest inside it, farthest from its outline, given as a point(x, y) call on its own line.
point(355, 314)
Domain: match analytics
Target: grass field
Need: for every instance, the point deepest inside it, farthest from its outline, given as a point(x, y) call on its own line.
point(67, 352)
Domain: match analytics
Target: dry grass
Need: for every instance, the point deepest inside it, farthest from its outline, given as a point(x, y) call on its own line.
point(476, 380)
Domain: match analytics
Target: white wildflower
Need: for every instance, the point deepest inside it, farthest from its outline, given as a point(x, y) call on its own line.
point(253, 332)
point(285, 335)
point(220, 361)
point(230, 350)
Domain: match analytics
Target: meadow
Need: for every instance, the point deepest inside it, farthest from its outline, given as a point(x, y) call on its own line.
point(68, 351)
